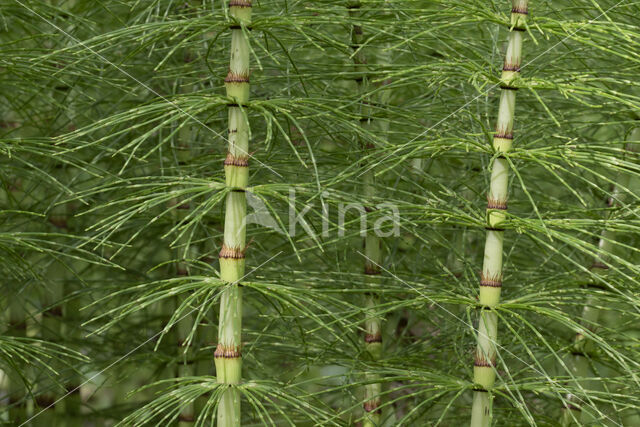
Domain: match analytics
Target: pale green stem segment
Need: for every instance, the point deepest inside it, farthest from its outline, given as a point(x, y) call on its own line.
point(573, 412)
point(373, 260)
point(373, 329)
point(372, 243)
point(484, 373)
point(228, 356)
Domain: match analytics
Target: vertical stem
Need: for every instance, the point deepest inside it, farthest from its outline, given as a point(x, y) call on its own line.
point(579, 358)
point(54, 323)
point(372, 242)
point(70, 329)
point(59, 318)
point(373, 329)
point(491, 278)
point(16, 313)
point(228, 358)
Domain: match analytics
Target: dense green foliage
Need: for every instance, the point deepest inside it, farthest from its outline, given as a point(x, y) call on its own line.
point(113, 133)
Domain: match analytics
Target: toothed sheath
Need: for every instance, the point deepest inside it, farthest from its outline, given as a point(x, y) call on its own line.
point(484, 373)
point(228, 356)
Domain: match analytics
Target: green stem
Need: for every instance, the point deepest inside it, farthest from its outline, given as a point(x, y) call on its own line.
point(373, 331)
point(484, 373)
point(17, 314)
point(228, 357)
point(372, 244)
point(60, 317)
point(579, 365)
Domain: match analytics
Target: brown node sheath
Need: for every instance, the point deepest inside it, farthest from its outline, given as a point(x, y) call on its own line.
point(236, 78)
point(491, 282)
point(233, 253)
point(503, 136)
point(240, 161)
point(578, 353)
point(71, 389)
point(18, 325)
point(371, 338)
point(226, 352)
point(53, 312)
point(599, 265)
point(369, 146)
point(186, 418)
point(511, 67)
point(371, 270)
point(523, 11)
point(240, 3)
point(503, 133)
point(372, 406)
point(482, 361)
point(59, 222)
point(45, 401)
point(496, 204)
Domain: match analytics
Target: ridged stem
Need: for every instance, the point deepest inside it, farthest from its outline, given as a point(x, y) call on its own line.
point(372, 242)
point(579, 359)
point(228, 356)
point(484, 372)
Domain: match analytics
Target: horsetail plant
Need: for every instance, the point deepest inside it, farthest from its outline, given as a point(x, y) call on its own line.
point(228, 356)
point(491, 278)
point(573, 412)
point(315, 317)
point(372, 243)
